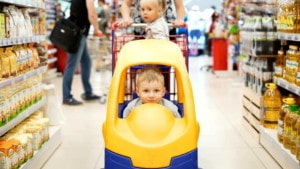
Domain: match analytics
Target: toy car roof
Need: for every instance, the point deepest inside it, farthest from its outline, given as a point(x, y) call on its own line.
point(150, 51)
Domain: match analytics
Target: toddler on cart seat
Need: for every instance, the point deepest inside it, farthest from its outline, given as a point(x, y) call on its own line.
point(152, 13)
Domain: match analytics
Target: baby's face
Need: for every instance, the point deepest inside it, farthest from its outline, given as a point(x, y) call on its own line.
point(151, 92)
point(150, 10)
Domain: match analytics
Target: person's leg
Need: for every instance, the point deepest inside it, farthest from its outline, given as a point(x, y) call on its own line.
point(86, 67)
point(207, 44)
point(72, 63)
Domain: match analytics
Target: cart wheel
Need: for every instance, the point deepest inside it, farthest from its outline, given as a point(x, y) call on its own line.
point(103, 99)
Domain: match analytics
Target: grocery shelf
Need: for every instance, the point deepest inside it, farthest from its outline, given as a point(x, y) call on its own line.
point(13, 80)
point(251, 107)
point(288, 36)
point(253, 96)
point(48, 148)
point(288, 86)
point(268, 139)
point(23, 115)
point(25, 3)
point(21, 40)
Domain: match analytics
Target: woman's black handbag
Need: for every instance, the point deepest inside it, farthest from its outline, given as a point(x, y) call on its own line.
point(66, 35)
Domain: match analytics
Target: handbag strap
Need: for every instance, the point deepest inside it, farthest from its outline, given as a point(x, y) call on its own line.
point(74, 20)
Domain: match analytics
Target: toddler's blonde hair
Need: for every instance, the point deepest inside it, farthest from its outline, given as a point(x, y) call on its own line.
point(149, 74)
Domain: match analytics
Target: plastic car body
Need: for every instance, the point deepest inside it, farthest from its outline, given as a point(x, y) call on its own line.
point(150, 137)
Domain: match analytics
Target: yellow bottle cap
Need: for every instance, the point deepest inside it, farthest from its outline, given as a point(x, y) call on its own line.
point(289, 100)
point(271, 85)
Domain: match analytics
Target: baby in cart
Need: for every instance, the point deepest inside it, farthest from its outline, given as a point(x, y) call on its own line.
point(152, 13)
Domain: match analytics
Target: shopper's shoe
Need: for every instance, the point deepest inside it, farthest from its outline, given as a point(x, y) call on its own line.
point(90, 97)
point(72, 102)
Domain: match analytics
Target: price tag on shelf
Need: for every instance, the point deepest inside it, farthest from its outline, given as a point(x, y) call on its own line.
point(13, 41)
point(19, 79)
point(282, 83)
point(7, 41)
point(296, 38)
point(5, 83)
point(292, 88)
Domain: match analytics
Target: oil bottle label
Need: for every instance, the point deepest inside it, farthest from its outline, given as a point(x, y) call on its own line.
point(278, 71)
point(271, 115)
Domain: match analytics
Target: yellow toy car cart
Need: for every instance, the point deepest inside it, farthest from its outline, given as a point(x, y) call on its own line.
point(150, 137)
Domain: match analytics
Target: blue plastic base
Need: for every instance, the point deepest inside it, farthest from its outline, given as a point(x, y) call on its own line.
point(185, 161)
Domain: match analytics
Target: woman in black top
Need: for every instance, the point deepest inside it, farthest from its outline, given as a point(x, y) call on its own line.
point(83, 13)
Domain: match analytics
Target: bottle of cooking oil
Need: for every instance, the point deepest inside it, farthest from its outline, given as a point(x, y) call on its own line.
point(271, 106)
point(295, 66)
point(291, 63)
point(288, 126)
point(298, 139)
point(280, 17)
point(279, 64)
point(293, 137)
point(297, 77)
point(287, 102)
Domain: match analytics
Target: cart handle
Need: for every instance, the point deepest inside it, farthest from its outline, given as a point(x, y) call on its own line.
point(141, 25)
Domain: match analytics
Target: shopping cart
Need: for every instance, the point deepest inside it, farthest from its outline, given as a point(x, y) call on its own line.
point(122, 36)
point(150, 137)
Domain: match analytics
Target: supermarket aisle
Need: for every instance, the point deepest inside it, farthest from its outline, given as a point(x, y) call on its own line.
point(224, 142)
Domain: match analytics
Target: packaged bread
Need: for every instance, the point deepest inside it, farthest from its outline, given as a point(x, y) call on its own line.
point(3, 106)
point(12, 61)
point(23, 138)
point(2, 25)
point(35, 56)
point(5, 68)
point(6, 155)
point(18, 157)
point(29, 56)
point(17, 52)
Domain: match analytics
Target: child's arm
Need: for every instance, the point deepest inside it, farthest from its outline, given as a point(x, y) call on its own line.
point(131, 105)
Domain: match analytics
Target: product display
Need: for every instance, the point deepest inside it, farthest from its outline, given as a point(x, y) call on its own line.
point(270, 39)
point(23, 128)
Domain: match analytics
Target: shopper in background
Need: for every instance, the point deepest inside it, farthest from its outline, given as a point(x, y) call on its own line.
point(208, 21)
point(152, 13)
point(214, 20)
point(150, 88)
point(196, 26)
point(104, 14)
point(59, 12)
point(174, 16)
point(83, 13)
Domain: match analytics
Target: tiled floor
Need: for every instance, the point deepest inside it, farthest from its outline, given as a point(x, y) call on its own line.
point(224, 141)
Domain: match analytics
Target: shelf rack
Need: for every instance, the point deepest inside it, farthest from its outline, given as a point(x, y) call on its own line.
point(268, 139)
point(55, 139)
